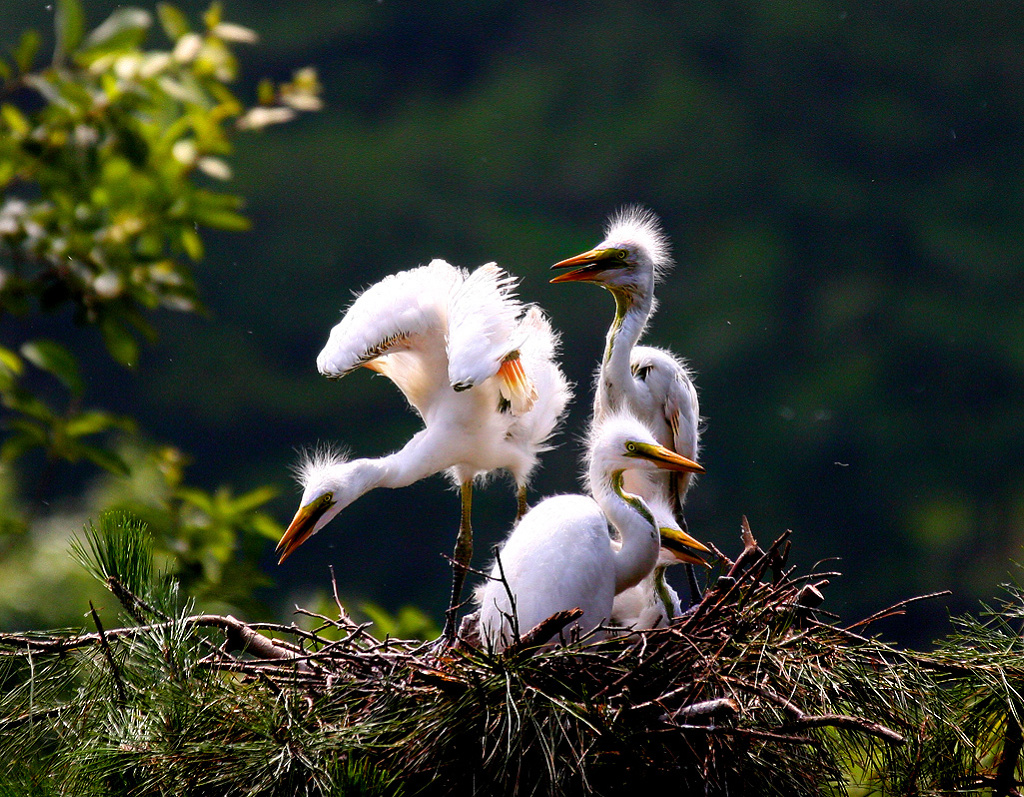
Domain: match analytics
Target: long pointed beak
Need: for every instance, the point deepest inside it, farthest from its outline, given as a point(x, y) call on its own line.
point(680, 544)
point(303, 525)
point(590, 264)
point(666, 459)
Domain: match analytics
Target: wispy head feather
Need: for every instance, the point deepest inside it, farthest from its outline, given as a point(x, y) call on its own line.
point(315, 460)
point(638, 226)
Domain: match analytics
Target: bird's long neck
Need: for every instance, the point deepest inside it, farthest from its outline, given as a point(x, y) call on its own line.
point(615, 383)
point(634, 522)
point(416, 460)
point(662, 593)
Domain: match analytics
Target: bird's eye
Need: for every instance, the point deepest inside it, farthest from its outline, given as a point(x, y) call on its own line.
point(621, 254)
point(631, 448)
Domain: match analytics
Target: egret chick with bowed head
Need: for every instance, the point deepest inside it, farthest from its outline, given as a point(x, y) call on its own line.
point(477, 366)
point(561, 554)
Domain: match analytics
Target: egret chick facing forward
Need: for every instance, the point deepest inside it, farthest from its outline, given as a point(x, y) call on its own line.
point(651, 383)
point(561, 554)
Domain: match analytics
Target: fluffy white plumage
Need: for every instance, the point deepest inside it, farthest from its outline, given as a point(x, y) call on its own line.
point(476, 365)
point(652, 603)
point(560, 555)
point(651, 383)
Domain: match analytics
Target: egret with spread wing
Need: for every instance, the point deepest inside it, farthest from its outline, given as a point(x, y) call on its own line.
point(560, 555)
point(477, 366)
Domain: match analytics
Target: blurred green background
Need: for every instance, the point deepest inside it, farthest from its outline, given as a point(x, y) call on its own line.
point(842, 183)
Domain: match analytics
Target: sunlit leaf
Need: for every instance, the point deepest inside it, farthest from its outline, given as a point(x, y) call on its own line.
point(124, 29)
point(192, 243)
point(26, 50)
point(121, 344)
point(56, 360)
point(214, 14)
point(224, 220)
point(94, 421)
point(198, 498)
point(173, 22)
point(15, 119)
point(19, 444)
point(266, 526)
point(254, 499)
point(10, 361)
point(69, 21)
point(105, 459)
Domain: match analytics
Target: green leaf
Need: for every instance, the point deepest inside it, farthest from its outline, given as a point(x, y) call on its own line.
point(19, 444)
point(70, 25)
point(24, 402)
point(266, 94)
point(174, 23)
point(11, 361)
point(198, 498)
point(124, 29)
point(223, 220)
point(26, 50)
point(192, 243)
point(15, 120)
point(266, 526)
point(54, 358)
point(214, 15)
point(105, 458)
point(121, 344)
point(255, 498)
point(93, 422)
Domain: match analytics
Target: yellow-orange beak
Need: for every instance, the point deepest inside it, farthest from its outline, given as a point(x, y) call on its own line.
point(664, 458)
point(303, 524)
point(589, 265)
point(681, 544)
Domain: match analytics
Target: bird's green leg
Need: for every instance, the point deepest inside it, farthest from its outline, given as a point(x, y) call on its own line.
point(521, 506)
point(462, 555)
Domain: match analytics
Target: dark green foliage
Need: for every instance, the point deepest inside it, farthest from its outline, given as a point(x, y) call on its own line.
point(109, 158)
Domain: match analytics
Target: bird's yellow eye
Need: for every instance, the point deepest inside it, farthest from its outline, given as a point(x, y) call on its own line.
point(621, 254)
point(631, 448)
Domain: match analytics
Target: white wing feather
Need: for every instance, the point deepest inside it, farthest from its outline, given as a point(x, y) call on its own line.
point(482, 321)
point(538, 353)
point(386, 315)
point(397, 327)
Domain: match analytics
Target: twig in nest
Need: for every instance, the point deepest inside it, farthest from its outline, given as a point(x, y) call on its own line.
point(799, 719)
point(719, 707)
point(544, 630)
point(896, 609)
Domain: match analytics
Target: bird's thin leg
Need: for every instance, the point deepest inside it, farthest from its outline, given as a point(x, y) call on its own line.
point(462, 555)
point(521, 506)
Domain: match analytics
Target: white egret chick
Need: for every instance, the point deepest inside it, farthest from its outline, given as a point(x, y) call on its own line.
point(653, 603)
point(477, 366)
point(561, 555)
point(651, 383)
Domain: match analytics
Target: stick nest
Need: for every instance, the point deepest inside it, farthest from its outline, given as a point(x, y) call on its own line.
point(755, 690)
